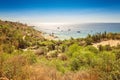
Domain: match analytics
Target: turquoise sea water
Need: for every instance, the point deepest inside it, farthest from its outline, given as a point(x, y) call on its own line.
point(66, 31)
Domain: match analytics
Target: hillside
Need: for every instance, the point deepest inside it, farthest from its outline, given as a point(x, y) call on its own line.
point(18, 35)
point(26, 55)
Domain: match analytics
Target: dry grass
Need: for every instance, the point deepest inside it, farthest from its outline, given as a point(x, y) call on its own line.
point(40, 72)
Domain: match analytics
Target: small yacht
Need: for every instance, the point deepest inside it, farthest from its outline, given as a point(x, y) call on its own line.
point(69, 29)
point(78, 31)
point(58, 27)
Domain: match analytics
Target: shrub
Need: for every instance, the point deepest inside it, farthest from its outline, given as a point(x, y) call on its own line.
point(52, 54)
point(117, 54)
point(62, 56)
point(92, 49)
point(73, 48)
point(31, 57)
point(8, 48)
point(75, 64)
point(16, 65)
point(88, 41)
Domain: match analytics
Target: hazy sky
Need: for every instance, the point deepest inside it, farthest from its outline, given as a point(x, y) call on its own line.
point(60, 11)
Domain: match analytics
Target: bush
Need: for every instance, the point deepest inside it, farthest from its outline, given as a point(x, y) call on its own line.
point(92, 49)
point(72, 49)
point(7, 48)
point(62, 56)
point(31, 57)
point(52, 54)
point(88, 41)
point(11, 65)
point(75, 64)
point(15, 65)
point(104, 48)
point(117, 53)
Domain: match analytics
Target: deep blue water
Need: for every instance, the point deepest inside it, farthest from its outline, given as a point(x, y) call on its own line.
point(65, 31)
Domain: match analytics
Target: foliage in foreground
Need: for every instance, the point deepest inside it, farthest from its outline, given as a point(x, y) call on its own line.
point(34, 58)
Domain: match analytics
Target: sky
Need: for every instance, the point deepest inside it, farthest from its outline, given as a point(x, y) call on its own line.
point(37, 12)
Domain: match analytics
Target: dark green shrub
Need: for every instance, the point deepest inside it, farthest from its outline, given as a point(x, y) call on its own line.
point(88, 41)
point(92, 49)
point(75, 64)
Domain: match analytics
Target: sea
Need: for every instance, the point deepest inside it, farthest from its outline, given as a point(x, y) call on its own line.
point(66, 31)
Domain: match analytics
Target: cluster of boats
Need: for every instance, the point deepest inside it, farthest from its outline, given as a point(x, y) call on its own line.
point(68, 30)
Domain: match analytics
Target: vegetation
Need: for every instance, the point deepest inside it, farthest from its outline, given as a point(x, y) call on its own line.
point(26, 55)
point(101, 36)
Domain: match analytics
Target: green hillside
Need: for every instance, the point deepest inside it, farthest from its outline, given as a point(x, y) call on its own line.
point(26, 55)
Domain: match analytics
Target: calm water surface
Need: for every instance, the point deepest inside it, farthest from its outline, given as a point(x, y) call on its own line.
point(65, 31)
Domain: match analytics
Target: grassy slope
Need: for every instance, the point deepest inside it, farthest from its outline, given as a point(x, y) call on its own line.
point(79, 59)
point(18, 35)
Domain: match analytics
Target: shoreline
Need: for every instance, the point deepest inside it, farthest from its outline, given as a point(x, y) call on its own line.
point(50, 36)
point(111, 42)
